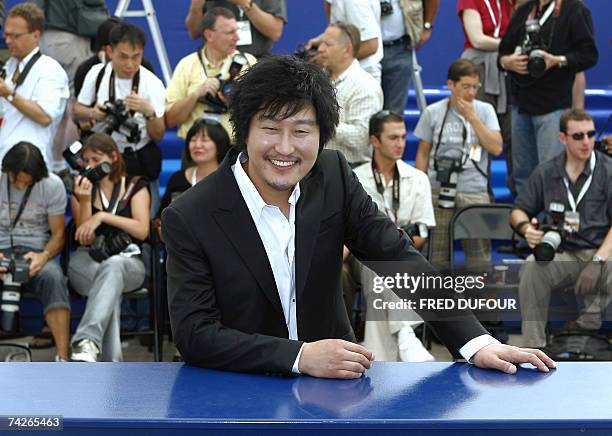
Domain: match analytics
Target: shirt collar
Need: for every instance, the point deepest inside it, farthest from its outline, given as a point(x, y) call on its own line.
point(251, 195)
point(345, 74)
point(404, 170)
point(561, 160)
point(26, 59)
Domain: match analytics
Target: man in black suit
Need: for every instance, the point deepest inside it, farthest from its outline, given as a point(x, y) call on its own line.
point(255, 250)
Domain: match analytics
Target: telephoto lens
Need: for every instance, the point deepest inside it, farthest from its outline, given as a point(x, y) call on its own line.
point(546, 249)
point(98, 172)
point(9, 308)
point(448, 192)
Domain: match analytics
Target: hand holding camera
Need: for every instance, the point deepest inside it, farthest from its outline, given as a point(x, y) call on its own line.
point(137, 103)
point(533, 236)
point(82, 188)
point(86, 232)
point(37, 261)
point(209, 86)
point(516, 62)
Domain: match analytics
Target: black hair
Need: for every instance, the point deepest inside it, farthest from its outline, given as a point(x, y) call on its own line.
point(279, 87)
point(210, 17)
point(25, 157)
point(127, 32)
point(104, 29)
point(215, 131)
point(378, 120)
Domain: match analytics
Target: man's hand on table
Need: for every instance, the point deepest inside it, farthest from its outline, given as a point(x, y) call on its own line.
point(505, 358)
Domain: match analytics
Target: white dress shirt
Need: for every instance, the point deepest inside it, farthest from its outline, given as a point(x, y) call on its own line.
point(47, 85)
point(278, 237)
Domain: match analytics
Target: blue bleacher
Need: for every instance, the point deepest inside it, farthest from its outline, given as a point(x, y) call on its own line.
point(598, 103)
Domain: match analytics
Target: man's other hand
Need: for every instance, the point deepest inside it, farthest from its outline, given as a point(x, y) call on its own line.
point(505, 357)
point(334, 358)
point(588, 279)
point(37, 261)
point(532, 234)
point(2, 269)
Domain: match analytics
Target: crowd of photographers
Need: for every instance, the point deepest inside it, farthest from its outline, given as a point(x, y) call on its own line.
point(514, 84)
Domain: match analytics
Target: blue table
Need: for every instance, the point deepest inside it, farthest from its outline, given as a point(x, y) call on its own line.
point(434, 398)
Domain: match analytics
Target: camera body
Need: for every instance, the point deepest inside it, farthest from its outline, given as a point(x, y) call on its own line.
point(532, 46)
point(74, 157)
point(105, 246)
point(307, 55)
point(416, 229)
point(386, 8)
point(554, 234)
point(118, 119)
point(447, 171)
point(216, 104)
point(601, 145)
point(18, 273)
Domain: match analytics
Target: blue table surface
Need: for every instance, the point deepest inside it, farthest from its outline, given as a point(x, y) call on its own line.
point(418, 395)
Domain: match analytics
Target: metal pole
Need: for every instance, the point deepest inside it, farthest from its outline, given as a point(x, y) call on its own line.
point(158, 41)
point(418, 83)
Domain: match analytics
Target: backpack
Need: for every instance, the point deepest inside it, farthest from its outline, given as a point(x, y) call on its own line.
point(579, 346)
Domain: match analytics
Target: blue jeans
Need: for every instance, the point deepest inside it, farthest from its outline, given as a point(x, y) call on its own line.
point(534, 140)
point(396, 74)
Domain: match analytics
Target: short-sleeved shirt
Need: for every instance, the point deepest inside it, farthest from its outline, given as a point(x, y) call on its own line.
point(149, 87)
point(545, 186)
point(488, 26)
point(188, 75)
point(261, 45)
point(47, 198)
point(47, 85)
point(452, 142)
point(415, 195)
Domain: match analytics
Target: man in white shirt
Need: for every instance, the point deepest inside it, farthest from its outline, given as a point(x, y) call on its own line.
point(125, 79)
point(35, 88)
point(244, 296)
point(359, 95)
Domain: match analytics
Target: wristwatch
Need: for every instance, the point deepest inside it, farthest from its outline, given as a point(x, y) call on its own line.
point(562, 61)
point(598, 259)
point(427, 25)
point(11, 96)
point(248, 6)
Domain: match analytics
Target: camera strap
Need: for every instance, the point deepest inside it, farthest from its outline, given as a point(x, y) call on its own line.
point(570, 197)
point(381, 190)
point(24, 200)
point(463, 135)
point(108, 206)
point(26, 69)
point(111, 86)
point(129, 193)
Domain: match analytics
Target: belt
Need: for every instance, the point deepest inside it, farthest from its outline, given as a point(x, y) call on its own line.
point(403, 40)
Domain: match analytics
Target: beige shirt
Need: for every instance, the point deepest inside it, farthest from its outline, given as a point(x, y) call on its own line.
point(188, 75)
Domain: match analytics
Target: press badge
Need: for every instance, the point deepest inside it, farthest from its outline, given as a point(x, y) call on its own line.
point(244, 33)
point(572, 222)
point(475, 152)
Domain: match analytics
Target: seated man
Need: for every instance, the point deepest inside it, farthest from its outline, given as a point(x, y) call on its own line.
point(196, 83)
point(359, 95)
point(32, 205)
point(460, 132)
point(575, 188)
point(255, 249)
point(403, 193)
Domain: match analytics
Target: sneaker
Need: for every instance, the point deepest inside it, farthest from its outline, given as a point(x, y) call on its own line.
point(85, 351)
point(410, 348)
point(60, 359)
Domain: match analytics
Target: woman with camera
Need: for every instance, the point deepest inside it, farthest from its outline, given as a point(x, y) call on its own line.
point(112, 220)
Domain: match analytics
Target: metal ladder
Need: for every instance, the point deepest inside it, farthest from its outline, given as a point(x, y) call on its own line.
point(149, 12)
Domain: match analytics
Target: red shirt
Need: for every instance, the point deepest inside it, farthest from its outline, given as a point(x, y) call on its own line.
point(488, 26)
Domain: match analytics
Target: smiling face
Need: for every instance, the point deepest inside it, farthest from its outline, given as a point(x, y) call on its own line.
point(579, 149)
point(202, 149)
point(281, 152)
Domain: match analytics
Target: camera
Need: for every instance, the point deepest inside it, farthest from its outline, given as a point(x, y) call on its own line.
point(554, 234)
point(305, 54)
point(416, 229)
point(105, 246)
point(215, 104)
point(18, 272)
point(601, 145)
point(386, 8)
point(447, 170)
point(118, 119)
point(74, 157)
point(531, 46)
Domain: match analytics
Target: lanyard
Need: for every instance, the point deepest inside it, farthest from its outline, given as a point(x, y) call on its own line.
point(496, 23)
point(551, 8)
point(381, 190)
point(111, 85)
point(570, 197)
point(194, 178)
point(24, 200)
point(110, 206)
point(464, 135)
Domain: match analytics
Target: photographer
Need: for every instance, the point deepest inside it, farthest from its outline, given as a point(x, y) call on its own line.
point(112, 219)
point(460, 132)
point(576, 183)
point(196, 83)
point(32, 208)
point(125, 81)
point(546, 43)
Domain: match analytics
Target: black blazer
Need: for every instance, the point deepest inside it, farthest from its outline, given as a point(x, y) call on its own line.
point(224, 305)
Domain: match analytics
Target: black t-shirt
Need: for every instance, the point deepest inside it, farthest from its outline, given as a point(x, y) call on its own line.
point(177, 184)
point(569, 34)
point(545, 185)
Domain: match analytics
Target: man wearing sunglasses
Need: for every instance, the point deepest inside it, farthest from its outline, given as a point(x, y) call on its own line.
point(574, 188)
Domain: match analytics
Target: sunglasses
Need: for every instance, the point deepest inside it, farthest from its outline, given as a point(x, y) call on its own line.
point(579, 136)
